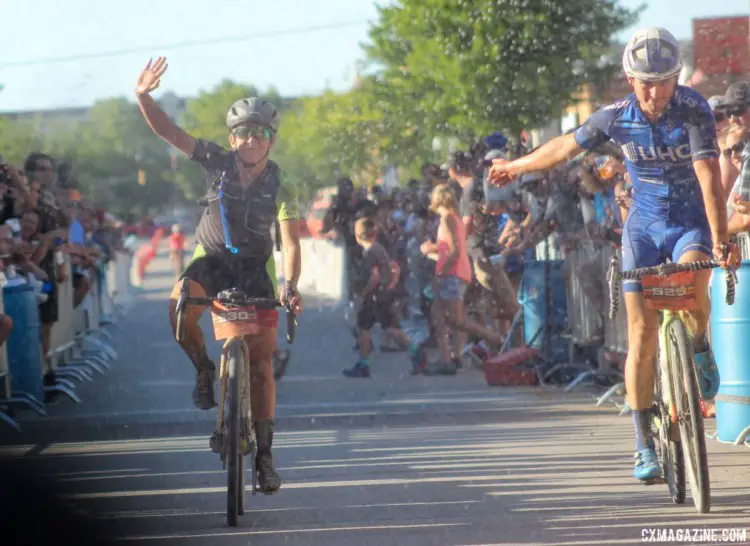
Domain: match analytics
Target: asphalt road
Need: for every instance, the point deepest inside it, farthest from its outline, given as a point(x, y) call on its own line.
point(390, 460)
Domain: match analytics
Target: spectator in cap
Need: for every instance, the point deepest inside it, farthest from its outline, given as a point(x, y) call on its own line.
point(496, 141)
point(736, 104)
point(717, 109)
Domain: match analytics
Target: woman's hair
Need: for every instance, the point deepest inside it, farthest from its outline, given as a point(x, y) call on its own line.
point(443, 196)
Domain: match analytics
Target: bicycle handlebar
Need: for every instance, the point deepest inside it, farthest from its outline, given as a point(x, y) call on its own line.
point(237, 299)
point(663, 270)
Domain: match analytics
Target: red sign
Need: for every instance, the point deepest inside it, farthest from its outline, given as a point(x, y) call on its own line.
point(722, 45)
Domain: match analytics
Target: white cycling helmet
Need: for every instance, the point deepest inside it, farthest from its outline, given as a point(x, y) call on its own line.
point(652, 54)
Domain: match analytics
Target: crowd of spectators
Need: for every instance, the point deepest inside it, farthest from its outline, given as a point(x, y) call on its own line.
point(543, 215)
point(43, 219)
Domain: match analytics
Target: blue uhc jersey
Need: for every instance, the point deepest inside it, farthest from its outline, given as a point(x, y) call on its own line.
point(660, 157)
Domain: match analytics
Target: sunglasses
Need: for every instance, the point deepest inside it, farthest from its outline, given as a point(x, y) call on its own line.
point(735, 111)
point(719, 117)
point(244, 133)
point(736, 149)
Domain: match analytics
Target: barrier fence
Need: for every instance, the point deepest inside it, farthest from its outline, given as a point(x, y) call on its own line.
point(78, 347)
point(598, 344)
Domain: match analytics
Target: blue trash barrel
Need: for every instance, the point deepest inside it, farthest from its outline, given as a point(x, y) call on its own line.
point(24, 349)
point(531, 296)
point(730, 330)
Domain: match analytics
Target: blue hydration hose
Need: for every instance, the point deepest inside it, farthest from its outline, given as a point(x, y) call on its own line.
point(227, 241)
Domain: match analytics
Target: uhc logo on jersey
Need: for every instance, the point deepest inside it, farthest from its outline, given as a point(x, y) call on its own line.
point(635, 152)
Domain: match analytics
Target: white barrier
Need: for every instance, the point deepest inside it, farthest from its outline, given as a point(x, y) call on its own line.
point(100, 302)
point(119, 278)
point(63, 331)
point(324, 269)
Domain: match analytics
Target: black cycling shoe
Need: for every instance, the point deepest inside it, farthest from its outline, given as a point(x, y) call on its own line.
point(203, 392)
point(269, 481)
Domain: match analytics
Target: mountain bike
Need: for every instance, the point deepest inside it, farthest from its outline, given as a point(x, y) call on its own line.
point(234, 317)
point(676, 412)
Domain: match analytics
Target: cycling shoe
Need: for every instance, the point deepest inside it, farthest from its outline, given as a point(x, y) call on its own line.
point(647, 465)
point(708, 373)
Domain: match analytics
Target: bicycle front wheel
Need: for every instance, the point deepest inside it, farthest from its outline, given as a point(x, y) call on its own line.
point(689, 415)
point(233, 419)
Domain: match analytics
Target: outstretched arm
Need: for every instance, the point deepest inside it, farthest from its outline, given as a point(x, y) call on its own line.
point(554, 152)
point(157, 119)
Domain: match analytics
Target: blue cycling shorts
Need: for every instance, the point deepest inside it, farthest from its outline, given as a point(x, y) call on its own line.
point(647, 242)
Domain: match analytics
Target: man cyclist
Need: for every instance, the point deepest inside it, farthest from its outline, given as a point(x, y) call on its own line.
point(667, 134)
point(256, 195)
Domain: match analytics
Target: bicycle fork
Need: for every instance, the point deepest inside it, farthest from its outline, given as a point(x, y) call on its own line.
point(666, 366)
point(247, 432)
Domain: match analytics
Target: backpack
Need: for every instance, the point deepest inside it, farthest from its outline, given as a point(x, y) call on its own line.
point(229, 169)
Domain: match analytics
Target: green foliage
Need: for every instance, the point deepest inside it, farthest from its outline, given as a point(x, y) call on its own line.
point(470, 67)
point(436, 68)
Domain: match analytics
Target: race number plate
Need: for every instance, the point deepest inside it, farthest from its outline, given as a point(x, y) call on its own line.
point(238, 321)
point(674, 292)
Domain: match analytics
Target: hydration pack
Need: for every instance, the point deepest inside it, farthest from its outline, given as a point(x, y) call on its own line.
point(230, 170)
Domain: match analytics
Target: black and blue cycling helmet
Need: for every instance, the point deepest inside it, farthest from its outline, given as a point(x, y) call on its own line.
point(253, 110)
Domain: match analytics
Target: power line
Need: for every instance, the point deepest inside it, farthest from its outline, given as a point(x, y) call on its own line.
point(180, 45)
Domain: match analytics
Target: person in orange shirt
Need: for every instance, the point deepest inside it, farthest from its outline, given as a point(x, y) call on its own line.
point(177, 250)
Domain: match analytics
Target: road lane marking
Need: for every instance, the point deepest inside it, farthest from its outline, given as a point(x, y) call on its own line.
point(293, 531)
point(301, 485)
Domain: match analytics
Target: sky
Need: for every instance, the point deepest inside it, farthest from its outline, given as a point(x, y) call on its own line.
point(57, 53)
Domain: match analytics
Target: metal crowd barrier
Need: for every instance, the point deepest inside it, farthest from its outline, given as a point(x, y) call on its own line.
point(590, 327)
point(79, 345)
point(586, 324)
point(5, 378)
point(585, 288)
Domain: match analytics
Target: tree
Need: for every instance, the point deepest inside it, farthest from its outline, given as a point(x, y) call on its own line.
point(470, 67)
point(106, 152)
point(17, 139)
point(354, 133)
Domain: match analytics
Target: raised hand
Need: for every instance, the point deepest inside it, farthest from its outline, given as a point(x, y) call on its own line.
point(150, 77)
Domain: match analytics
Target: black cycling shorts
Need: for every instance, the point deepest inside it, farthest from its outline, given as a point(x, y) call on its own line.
point(377, 309)
point(218, 272)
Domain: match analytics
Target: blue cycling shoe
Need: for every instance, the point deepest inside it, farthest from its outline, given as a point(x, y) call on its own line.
point(708, 373)
point(647, 465)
